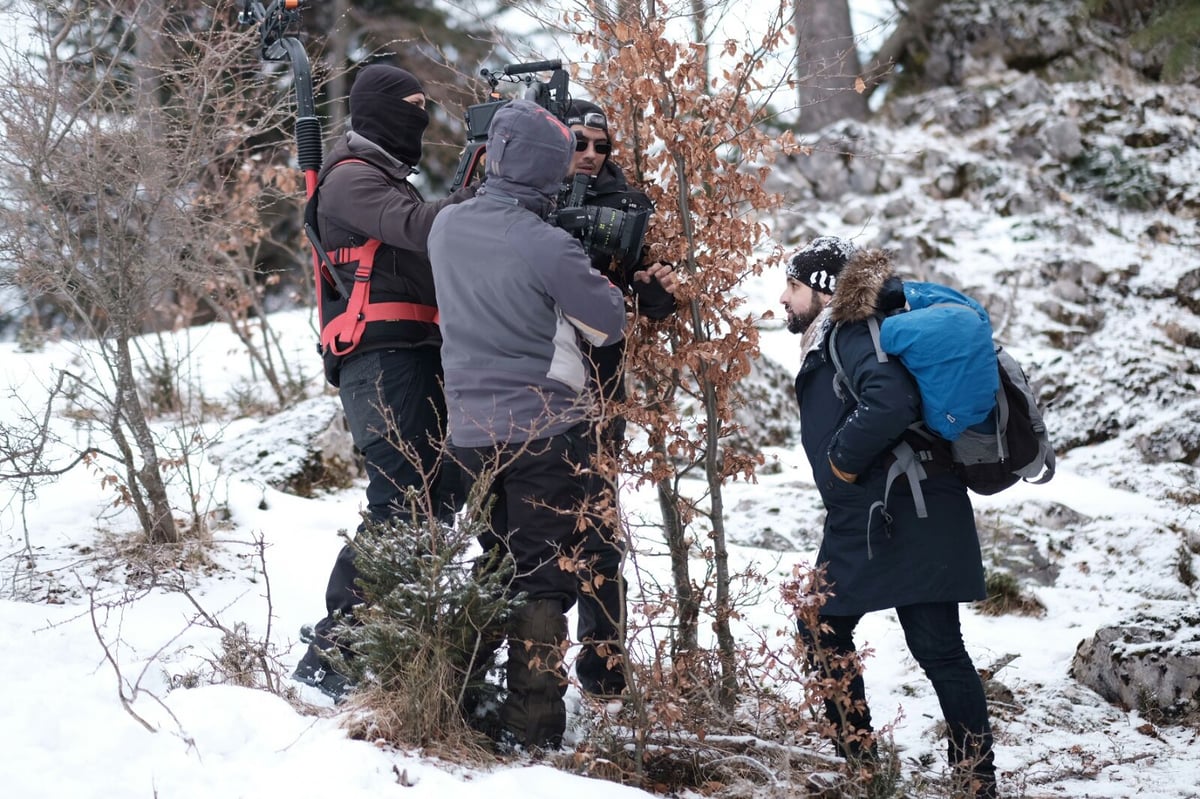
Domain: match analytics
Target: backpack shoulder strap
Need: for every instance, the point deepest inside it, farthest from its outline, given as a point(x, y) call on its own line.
point(873, 325)
point(841, 380)
point(905, 460)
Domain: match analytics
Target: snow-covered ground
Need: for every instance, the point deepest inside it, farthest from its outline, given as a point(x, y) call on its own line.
point(82, 633)
point(68, 734)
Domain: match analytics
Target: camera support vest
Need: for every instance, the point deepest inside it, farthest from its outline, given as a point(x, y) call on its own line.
point(352, 311)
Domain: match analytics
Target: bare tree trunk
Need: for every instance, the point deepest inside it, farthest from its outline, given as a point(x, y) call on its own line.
point(337, 89)
point(153, 506)
point(687, 604)
point(713, 471)
point(908, 30)
point(700, 31)
point(827, 65)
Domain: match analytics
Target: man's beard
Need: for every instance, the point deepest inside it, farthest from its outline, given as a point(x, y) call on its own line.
point(798, 323)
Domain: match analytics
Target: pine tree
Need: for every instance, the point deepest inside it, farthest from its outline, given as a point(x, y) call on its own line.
point(421, 647)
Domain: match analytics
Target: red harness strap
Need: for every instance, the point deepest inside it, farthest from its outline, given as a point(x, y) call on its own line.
point(341, 334)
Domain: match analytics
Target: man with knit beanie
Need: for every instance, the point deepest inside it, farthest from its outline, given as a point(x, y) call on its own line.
point(389, 378)
point(649, 288)
point(877, 552)
point(517, 295)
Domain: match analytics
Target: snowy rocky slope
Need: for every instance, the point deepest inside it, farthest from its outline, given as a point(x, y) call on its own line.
point(1066, 200)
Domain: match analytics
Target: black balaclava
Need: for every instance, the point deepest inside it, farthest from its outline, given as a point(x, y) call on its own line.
point(379, 113)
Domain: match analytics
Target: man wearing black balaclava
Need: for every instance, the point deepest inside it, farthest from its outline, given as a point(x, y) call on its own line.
point(384, 356)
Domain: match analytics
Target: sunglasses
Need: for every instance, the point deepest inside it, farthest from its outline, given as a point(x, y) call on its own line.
point(601, 147)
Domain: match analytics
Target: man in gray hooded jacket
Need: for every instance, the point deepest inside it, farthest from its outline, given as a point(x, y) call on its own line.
point(516, 294)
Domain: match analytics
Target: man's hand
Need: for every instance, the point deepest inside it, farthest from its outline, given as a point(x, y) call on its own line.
point(663, 273)
point(845, 477)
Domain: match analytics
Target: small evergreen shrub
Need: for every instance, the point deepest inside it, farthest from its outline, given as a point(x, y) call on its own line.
point(420, 648)
point(1115, 178)
point(1004, 596)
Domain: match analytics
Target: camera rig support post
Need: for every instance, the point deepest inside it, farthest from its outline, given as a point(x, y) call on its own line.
point(277, 24)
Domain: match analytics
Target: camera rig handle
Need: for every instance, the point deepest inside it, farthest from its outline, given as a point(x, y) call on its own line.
point(553, 95)
point(535, 66)
point(277, 23)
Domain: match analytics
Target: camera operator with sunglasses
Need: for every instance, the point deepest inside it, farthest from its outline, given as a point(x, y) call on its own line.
point(649, 286)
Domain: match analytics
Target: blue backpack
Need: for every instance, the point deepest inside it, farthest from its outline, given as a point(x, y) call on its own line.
point(974, 395)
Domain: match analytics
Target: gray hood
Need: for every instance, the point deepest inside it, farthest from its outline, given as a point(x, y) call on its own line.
point(528, 155)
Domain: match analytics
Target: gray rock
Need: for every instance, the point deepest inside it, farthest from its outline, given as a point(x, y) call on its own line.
point(1021, 204)
point(1187, 291)
point(968, 113)
point(1063, 140)
point(1073, 315)
point(856, 215)
point(1070, 291)
point(864, 174)
point(1147, 663)
point(1027, 91)
point(827, 173)
point(898, 207)
point(1177, 440)
point(768, 417)
point(303, 450)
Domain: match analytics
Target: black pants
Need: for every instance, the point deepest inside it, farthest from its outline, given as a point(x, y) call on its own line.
point(601, 626)
point(396, 410)
point(602, 607)
point(536, 500)
point(934, 637)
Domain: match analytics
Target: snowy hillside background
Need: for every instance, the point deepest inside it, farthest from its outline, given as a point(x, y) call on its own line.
point(1070, 208)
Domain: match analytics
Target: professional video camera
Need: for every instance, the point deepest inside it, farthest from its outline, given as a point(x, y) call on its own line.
point(602, 230)
point(551, 95)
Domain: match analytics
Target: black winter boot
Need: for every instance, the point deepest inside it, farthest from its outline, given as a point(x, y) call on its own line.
point(974, 764)
point(534, 711)
point(315, 669)
point(601, 633)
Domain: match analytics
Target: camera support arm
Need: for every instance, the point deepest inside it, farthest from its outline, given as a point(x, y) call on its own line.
point(275, 22)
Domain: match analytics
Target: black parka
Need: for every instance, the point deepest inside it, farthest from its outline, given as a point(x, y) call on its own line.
point(876, 560)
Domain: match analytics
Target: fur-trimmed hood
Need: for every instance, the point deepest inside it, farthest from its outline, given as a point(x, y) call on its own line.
point(866, 286)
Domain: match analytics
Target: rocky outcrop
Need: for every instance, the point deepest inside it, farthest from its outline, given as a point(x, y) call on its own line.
point(965, 40)
point(1148, 664)
point(767, 417)
point(301, 451)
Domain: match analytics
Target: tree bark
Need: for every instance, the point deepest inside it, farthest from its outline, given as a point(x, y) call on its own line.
point(687, 605)
point(146, 484)
point(908, 29)
point(827, 65)
point(338, 88)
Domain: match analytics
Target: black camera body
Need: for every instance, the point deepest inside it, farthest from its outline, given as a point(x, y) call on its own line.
point(601, 229)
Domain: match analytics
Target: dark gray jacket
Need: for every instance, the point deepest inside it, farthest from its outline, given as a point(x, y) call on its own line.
point(875, 561)
point(516, 293)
